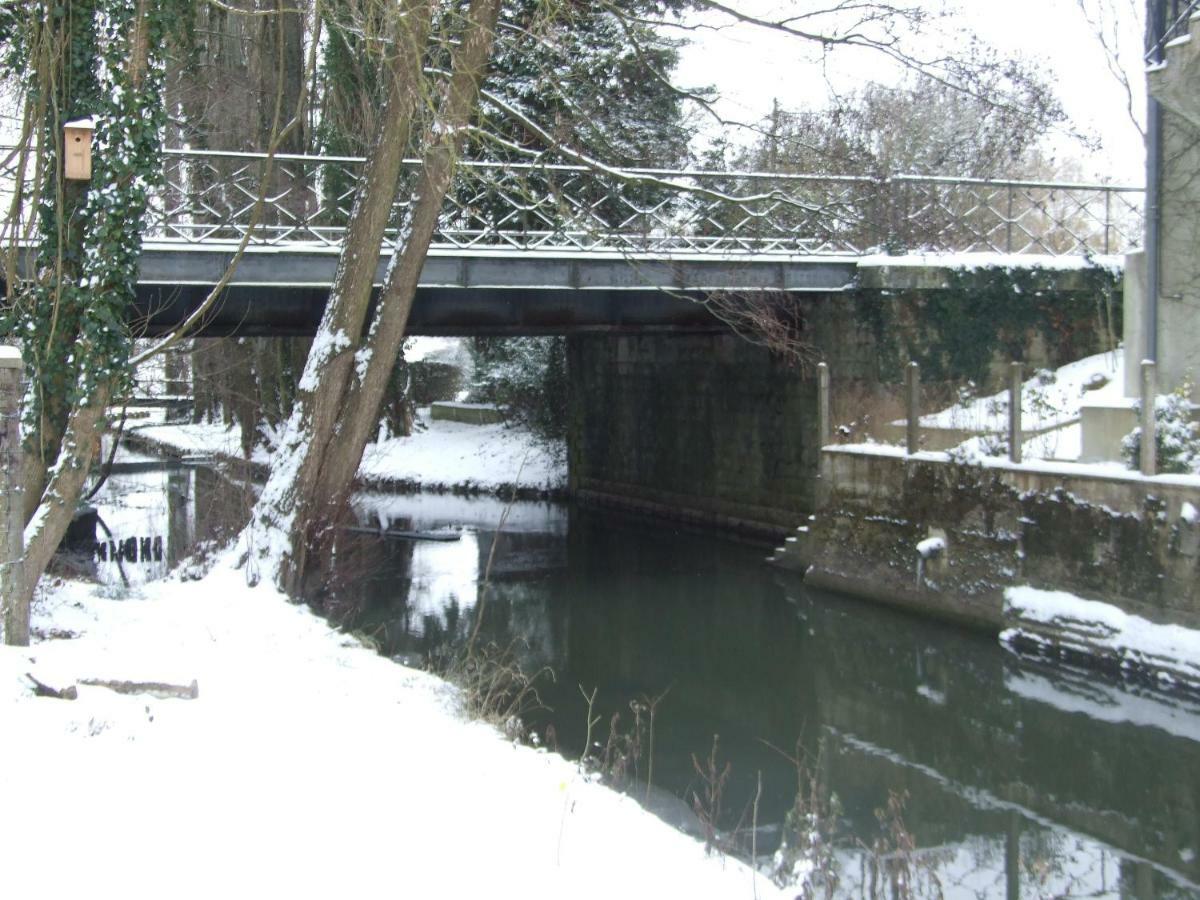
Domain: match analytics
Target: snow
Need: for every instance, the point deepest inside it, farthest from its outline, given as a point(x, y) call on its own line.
point(1189, 513)
point(1048, 398)
point(326, 345)
point(1051, 406)
point(1110, 471)
point(10, 356)
point(308, 766)
point(967, 261)
point(439, 454)
point(486, 457)
point(931, 547)
point(1171, 650)
point(435, 349)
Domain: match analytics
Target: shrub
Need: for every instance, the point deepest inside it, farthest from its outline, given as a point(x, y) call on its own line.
point(526, 376)
point(1176, 434)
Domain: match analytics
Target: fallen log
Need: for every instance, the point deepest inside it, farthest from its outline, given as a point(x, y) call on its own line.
point(159, 689)
point(41, 689)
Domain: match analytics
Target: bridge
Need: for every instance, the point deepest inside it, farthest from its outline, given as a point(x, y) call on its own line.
point(668, 411)
point(530, 247)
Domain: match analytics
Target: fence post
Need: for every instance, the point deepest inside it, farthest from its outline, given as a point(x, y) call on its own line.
point(1149, 451)
point(912, 406)
point(825, 430)
point(1108, 220)
point(1014, 412)
point(1008, 222)
point(12, 548)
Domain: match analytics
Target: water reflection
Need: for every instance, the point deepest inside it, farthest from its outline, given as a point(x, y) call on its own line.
point(150, 517)
point(1020, 780)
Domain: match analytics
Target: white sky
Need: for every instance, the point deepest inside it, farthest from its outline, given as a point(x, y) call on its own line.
point(751, 66)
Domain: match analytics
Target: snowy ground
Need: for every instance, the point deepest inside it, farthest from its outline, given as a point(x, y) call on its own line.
point(1051, 401)
point(439, 454)
point(307, 767)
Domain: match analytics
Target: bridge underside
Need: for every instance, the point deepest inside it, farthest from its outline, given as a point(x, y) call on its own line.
point(295, 311)
point(277, 293)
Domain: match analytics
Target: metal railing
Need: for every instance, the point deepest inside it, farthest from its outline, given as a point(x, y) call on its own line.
point(207, 196)
point(1170, 21)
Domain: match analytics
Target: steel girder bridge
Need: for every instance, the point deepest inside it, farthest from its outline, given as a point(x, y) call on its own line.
point(532, 247)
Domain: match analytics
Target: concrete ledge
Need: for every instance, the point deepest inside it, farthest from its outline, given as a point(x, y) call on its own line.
point(948, 539)
point(1174, 83)
point(932, 273)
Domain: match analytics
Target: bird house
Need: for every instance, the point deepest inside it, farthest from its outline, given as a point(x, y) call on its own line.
point(77, 149)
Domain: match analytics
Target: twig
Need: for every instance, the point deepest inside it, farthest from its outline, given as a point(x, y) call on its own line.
point(487, 572)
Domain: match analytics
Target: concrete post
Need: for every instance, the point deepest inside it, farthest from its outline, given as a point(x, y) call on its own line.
point(912, 406)
point(1149, 452)
point(824, 425)
point(12, 507)
point(1012, 857)
point(1014, 412)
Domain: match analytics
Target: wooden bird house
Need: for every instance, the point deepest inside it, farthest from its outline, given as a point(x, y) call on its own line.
point(77, 149)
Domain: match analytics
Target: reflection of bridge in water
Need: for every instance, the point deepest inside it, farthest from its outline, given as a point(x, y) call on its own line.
point(539, 248)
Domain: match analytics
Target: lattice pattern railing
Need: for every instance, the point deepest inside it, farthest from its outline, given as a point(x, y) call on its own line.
point(208, 196)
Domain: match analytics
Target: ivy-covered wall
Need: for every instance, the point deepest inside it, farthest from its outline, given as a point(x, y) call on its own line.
point(978, 320)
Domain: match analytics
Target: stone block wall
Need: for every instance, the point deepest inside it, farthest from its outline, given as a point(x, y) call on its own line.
point(706, 424)
point(714, 428)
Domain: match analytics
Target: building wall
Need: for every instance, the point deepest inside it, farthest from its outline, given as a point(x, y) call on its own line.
point(1179, 303)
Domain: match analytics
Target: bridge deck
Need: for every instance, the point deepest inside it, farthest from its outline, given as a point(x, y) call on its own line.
point(281, 290)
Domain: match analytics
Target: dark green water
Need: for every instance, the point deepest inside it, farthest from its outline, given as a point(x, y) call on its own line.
point(1019, 780)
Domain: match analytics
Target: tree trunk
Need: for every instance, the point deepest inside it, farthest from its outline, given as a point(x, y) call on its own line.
point(313, 473)
point(385, 341)
point(57, 508)
point(286, 499)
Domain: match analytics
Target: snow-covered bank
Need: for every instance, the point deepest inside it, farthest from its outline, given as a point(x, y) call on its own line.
point(1051, 404)
point(308, 766)
point(439, 455)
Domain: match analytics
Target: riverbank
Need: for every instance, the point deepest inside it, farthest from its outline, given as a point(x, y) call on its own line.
point(307, 765)
point(440, 456)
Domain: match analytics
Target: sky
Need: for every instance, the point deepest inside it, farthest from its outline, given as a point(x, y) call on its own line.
point(751, 66)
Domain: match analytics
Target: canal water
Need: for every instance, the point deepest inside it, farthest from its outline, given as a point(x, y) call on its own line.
point(914, 747)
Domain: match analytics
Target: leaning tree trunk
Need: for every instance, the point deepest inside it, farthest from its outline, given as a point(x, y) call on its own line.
point(345, 379)
point(377, 355)
point(386, 338)
point(284, 505)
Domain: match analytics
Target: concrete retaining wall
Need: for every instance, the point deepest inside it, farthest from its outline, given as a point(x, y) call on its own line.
point(1118, 539)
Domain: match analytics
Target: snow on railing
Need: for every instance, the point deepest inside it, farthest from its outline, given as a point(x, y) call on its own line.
point(208, 196)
